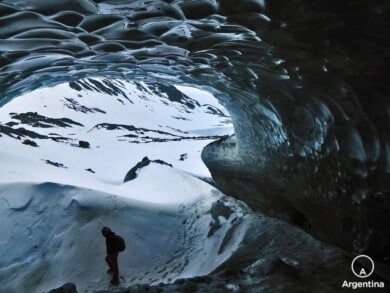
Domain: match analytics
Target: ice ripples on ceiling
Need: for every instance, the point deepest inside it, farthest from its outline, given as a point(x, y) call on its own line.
point(299, 91)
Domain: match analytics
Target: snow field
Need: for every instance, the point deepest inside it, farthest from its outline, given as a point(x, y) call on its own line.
point(50, 233)
point(52, 208)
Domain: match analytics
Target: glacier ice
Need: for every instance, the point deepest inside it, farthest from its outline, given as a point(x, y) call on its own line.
point(311, 146)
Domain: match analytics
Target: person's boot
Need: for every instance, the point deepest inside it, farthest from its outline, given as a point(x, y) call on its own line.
point(109, 271)
point(114, 282)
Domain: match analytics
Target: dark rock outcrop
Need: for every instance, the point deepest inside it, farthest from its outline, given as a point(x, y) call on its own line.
point(133, 172)
point(36, 120)
point(84, 144)
point(55, 164)
point(66, 288)
point(30, 142)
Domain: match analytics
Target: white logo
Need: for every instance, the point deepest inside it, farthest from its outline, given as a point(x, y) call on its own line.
point(362, 267)
point(361, 271)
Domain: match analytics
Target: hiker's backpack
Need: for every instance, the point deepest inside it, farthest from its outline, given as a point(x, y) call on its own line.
point(119, 243)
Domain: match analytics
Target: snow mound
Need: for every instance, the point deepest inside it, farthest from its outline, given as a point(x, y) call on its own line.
point(50, 232)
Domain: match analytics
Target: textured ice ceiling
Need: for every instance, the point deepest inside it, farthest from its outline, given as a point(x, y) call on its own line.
point(306, 83)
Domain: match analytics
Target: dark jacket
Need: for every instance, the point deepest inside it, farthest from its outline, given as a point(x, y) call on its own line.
point(111, 243)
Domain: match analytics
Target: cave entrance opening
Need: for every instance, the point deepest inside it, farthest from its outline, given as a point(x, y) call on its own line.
point(102, 127)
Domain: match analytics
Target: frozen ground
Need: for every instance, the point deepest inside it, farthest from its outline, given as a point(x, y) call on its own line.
point(176, 227)
point(50, 232)
point(55, 196)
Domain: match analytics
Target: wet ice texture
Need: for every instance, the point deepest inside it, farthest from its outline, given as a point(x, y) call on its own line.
point(305, 84)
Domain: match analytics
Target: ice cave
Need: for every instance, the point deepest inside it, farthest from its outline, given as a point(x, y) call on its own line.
point(236, 146)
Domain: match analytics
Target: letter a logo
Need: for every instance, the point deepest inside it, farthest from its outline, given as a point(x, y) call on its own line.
point(362, 266)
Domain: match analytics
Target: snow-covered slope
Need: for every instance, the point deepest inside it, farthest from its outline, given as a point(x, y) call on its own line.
point(120, 122)
point(50, 232)
point(64, 153)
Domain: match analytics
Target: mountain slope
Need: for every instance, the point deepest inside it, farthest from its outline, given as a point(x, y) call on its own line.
point(97, 125)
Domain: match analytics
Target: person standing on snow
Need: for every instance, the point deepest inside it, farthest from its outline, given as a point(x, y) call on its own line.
point(114, 245)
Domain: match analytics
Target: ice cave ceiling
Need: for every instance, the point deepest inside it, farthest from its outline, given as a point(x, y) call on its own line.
point(306, 83)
